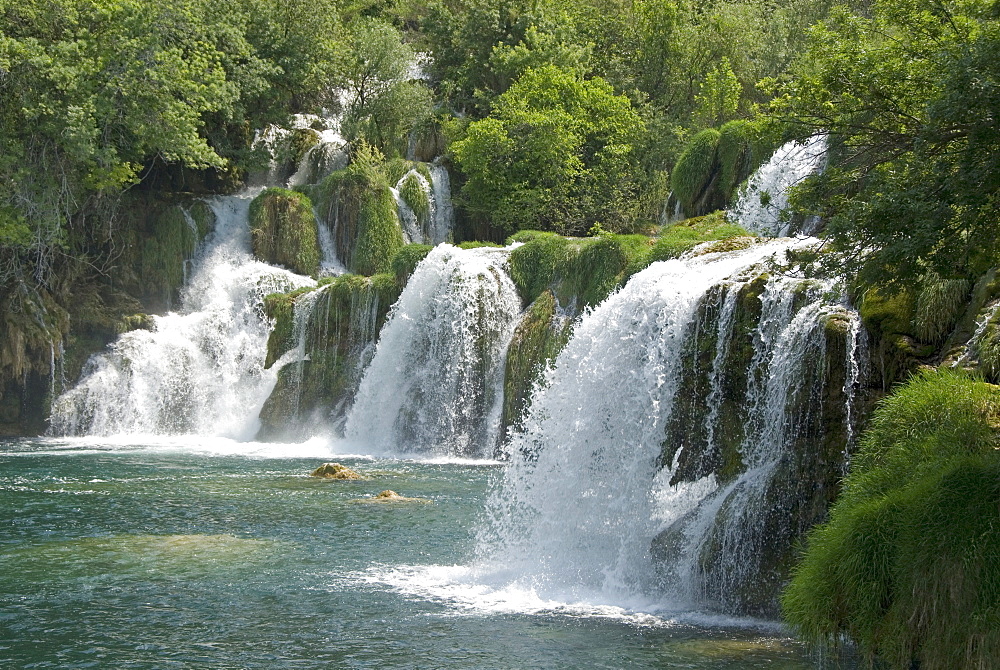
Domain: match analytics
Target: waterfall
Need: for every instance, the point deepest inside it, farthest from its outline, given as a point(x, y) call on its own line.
point(412, 230)
point(762, 206)
point(442, 214)
point(724, 551)
point(199, 370)
point(584, 509)
point(435, 383)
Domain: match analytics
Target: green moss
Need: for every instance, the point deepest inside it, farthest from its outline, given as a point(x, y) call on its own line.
point(604, 263)
point(695, 169)
point(168, 241)
point(886, 313)
point(280, 307)
point(135, 322)
point(478, 245)
point(525, 236)
point(283, 230)
point(395, 169)
point(300, 141)
point(687, 234)
point(413, 194)
point(735, 155)
point(340, 330)
point(204, 218)
point(386, 287)
point(533, 267)
point(406, 260)
point(580, 271)
point(380, 235)
point(537, 340)
point(907, 565)
point(356, 203)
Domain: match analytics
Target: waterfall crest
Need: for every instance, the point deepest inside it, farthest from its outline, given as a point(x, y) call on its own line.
point(435, 383)
point(199, 370)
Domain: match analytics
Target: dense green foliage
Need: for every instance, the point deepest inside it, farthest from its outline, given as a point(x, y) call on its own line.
point(556, 153)
point(908, 93)
point(96, 95)
point(384, 103)
point(907, 565)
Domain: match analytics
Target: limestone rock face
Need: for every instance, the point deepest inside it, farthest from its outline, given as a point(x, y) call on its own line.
point(335, 471)
point(336, 328)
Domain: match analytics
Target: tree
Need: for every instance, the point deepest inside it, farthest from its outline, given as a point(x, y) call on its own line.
point(909, 96)
point(385, 100)
point(557, 153)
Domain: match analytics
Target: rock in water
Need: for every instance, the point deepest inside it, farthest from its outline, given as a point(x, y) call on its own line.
point(335, 471)
point(391, 496)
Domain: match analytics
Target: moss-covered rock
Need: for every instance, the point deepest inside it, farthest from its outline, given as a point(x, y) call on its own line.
point(161, 239)
point(537, 340)
point(390, 496)
point(714, 428)
point(696, 172)
point(414, 190)
point(135, 322)
point(283, 230)
point(334, 471)
point(358, 207)
point(681, 237)
point(336, 327)
point(379, 235)
point(34, 327)
point(735, 150)
point(581, 271)
point(406, 260)
point(280, 308)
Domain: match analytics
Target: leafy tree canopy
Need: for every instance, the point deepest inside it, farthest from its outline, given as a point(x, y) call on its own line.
point(556, 153)
point(95, 92)
point(909, 96)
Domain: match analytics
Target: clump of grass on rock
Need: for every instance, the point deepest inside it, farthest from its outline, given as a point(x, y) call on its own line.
point(908, 566)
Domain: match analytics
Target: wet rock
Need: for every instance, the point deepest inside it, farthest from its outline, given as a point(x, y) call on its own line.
point(389, 496)
point(335, 471)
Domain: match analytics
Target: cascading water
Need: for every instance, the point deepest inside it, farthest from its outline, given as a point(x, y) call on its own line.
point(435, 383)
point(724, 551)
point(442, 214)
point(413, 231)
point(200, 370)
point(576, 510)
point(763, 202)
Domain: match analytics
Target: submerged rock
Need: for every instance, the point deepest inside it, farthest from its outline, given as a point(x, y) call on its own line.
point(389, 496)
point(335, 471)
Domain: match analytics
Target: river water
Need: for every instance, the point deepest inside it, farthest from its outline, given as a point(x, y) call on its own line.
point(204, 552)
